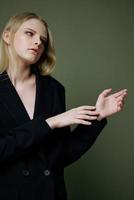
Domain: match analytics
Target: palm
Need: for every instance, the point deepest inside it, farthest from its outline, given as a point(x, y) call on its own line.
point(107, 104)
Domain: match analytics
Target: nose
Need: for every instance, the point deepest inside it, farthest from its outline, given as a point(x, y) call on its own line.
point(37, 41)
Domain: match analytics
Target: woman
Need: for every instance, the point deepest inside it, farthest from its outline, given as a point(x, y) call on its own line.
point(35, 139)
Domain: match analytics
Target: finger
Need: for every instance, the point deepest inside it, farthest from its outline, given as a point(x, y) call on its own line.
point(89, 112)
point(120, 98)
point(106, 92)
point(93, 113)
point(86, 108)
point(121, 92)
point(120, 105)
point(86, 117)
point(125, 94)
point(119, 108)
point(84, 122)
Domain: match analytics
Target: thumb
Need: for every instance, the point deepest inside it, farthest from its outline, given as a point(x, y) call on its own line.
point(106, 92)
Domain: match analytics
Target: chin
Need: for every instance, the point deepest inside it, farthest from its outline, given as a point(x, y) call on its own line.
point(30, 62)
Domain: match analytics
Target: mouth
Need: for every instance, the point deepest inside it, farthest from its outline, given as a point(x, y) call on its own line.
point(34, 51)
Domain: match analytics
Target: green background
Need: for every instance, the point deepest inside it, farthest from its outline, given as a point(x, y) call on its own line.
point(94, 42)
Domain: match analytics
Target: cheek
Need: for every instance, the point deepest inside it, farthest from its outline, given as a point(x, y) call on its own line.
point(19, 43)
point(42, 51)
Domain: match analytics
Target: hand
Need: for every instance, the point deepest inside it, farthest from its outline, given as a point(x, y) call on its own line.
point(108, 105)
point(80, 115)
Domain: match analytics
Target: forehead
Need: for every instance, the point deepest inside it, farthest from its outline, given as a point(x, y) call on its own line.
point(35, 25)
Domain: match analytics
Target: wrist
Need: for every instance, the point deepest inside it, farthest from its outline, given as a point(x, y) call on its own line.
point(52, 122)
point(99, 118)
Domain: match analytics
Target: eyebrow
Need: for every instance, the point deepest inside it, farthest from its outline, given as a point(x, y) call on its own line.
point(42, 36)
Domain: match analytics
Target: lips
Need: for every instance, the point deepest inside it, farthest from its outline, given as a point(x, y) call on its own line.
point(34, 50)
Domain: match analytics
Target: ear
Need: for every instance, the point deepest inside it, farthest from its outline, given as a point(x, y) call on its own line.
point(6, 37)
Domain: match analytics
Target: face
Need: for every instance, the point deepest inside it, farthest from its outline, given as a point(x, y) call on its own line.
point(29, 41)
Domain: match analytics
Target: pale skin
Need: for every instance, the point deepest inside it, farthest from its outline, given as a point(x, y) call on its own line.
point(107, 104)
point(29, 45)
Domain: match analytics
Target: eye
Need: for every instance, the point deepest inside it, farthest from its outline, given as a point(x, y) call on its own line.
point(43, 40)
point(29, 33)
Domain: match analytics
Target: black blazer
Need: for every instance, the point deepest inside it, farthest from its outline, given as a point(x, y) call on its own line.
point(32, 156)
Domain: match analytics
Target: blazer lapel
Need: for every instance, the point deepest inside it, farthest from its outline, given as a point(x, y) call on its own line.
point(43, 104)
point(13, 104)
point(11, 100)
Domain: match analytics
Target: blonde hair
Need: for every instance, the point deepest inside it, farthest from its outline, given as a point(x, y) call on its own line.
point(46, 63)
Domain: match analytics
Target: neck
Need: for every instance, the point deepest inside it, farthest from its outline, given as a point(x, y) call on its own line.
point(18, 70)
point(20, 74)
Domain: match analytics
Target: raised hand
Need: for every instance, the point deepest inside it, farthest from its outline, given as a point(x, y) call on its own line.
point(80, 115)
point(108, 104)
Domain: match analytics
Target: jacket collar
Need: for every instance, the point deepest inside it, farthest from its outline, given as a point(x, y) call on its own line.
point(13, 104)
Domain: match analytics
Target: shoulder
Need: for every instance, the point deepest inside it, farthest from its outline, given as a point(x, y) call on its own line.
point(52, 82)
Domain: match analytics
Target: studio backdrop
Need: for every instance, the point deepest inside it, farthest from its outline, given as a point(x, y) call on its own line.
point(94, 41)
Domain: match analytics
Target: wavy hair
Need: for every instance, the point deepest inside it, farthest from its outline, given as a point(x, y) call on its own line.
point(46, 63)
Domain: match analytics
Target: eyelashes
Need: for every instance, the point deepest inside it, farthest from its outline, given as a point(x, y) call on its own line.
point(31, 34)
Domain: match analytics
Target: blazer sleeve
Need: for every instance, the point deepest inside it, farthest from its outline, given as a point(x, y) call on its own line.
point(77, 142)
point(20, 139)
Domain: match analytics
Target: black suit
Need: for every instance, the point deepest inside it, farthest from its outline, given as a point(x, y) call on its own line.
point(32, 156)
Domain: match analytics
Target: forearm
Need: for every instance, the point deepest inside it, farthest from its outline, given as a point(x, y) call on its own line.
point(80, 140)
point(20, 140)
